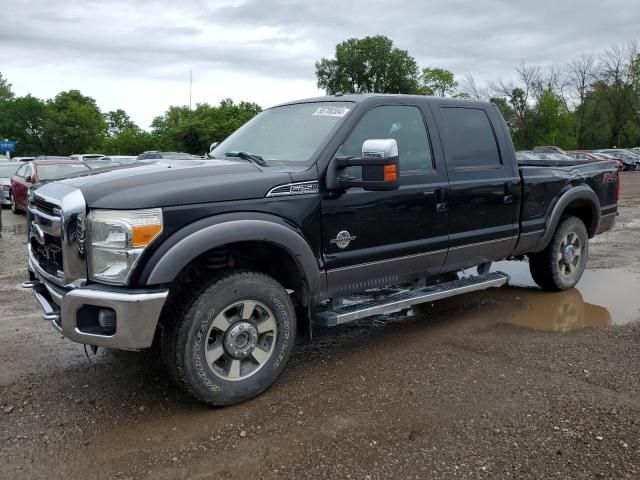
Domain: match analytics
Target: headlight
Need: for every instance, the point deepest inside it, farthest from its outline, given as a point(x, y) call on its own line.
point(117, 238)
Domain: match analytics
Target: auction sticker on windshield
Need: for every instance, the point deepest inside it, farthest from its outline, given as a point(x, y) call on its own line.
point(331, 111)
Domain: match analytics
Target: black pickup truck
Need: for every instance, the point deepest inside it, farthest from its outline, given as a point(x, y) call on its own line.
point(221, 263)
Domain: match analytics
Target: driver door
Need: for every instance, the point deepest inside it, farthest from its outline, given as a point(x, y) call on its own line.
point(372, 239)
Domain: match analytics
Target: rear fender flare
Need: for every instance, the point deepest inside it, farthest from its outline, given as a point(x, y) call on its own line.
point(581, 192)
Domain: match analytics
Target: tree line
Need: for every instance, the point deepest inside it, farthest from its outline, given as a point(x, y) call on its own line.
point(73, 123)
point(592, 101)
point(589, 102)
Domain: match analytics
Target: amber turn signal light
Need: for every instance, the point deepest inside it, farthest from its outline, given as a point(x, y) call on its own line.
point(141, 235)
point(390, 173)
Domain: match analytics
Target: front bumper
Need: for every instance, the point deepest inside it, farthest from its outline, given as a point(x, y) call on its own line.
point(75, 312)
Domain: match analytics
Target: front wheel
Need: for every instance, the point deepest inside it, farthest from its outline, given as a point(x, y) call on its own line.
point(561, 264)
point(233, 338)
point(12, 200)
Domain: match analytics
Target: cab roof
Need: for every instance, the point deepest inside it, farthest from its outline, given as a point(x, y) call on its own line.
point(363, 97)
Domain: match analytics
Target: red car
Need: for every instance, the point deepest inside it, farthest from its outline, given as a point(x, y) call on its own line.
point(594, 157)
point(37, 171)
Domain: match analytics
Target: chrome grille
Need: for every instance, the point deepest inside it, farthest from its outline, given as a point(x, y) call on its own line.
point(56, 233)
point(44, 206)
point(49, 254)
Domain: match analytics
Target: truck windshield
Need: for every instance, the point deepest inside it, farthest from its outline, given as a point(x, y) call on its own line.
point(290, 134)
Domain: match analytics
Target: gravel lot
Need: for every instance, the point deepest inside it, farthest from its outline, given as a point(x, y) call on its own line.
point(506, 383)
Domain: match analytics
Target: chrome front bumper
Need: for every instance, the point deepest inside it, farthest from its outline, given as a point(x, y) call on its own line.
point(136, 311)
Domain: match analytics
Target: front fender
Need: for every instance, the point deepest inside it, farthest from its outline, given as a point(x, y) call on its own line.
point(187, 244)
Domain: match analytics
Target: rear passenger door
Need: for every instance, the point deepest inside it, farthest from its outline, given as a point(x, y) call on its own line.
point(484, 185)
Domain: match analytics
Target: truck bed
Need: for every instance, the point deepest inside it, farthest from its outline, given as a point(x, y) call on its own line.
point(543, 184)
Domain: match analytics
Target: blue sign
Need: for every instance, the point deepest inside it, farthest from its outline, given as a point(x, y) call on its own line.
point(7, 145)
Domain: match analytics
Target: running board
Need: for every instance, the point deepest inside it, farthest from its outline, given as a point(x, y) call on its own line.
point(405, 299)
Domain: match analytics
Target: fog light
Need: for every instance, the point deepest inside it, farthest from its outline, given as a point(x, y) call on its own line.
point(107, 319)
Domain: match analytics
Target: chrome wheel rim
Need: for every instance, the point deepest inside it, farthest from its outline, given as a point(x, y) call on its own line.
point(569, 254)
point(240, 340)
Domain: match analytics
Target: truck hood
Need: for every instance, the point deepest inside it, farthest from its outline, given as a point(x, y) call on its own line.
point(163, 183)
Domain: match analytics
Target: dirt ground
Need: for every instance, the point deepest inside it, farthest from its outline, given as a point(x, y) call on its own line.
point(505, 383)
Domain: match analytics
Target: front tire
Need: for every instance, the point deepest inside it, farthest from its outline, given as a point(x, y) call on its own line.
point(12, 201)
point(561, 265)
point(232, 339)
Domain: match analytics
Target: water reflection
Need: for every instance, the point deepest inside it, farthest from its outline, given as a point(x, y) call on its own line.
point(557, 312)
point(602, 297)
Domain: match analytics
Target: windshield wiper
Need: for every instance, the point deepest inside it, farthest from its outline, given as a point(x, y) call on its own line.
point(248, 156)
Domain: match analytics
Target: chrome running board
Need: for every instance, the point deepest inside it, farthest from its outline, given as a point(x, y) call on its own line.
point(405, 299)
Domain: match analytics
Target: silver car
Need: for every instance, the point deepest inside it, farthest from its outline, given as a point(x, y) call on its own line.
point(7, 170)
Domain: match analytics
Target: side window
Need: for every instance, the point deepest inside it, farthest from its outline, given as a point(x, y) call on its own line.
point(21, 171)
point(401, 122)
point(471, 141)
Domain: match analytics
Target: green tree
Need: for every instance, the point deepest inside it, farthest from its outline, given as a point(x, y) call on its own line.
point(117, 121)
point(5, 89)
point(365, 65)
point(193, 131)
point(130, 140)
point(23, 119)
point(438, 82)
point(74, 124)
point(552, 123)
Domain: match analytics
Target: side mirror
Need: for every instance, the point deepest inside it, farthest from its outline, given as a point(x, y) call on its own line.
point(213, 146)
point(28, 179)
point(380, 167)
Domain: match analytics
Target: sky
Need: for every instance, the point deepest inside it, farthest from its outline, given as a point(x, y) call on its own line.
point(137, 54)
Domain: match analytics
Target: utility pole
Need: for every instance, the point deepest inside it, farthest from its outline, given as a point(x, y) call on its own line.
point(190, 87)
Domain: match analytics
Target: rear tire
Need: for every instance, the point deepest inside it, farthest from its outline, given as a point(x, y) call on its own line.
point(231, 340)
point(561, 265)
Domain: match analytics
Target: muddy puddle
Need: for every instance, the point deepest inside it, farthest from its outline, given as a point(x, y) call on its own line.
point(17, 229)
point(601, 298)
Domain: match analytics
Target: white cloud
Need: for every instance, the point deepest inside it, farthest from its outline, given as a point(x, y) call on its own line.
point(137, 55)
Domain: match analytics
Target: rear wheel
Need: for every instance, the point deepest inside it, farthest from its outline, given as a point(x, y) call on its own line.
point(233, 338)
point(561, 264)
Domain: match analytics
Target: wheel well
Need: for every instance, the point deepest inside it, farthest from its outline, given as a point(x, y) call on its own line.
point(262, 257)
point(582, 209)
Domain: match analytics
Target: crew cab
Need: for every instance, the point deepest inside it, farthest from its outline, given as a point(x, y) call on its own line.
point(220, 263)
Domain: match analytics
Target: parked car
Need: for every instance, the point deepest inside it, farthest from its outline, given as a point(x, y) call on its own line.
point(548, 149)
point(528, 155)
point(306, 203)
point(86, 156)
point(7, 170)
point(605, 156)
point(32, 173)
point(21, 159)
point(155, 155)
point(122, 159)
point(630, 160)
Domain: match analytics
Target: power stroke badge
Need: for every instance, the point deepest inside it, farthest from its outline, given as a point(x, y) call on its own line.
point(343, 239)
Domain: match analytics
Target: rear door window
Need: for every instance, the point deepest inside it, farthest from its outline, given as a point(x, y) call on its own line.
point(471, 141)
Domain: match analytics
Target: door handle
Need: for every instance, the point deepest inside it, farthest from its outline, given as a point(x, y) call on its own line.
point(441, 199)
point(508, 192)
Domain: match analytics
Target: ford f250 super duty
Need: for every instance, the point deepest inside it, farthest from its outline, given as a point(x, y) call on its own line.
point(220, 263)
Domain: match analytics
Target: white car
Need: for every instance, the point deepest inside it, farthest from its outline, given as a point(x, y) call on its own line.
point(86, 156)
